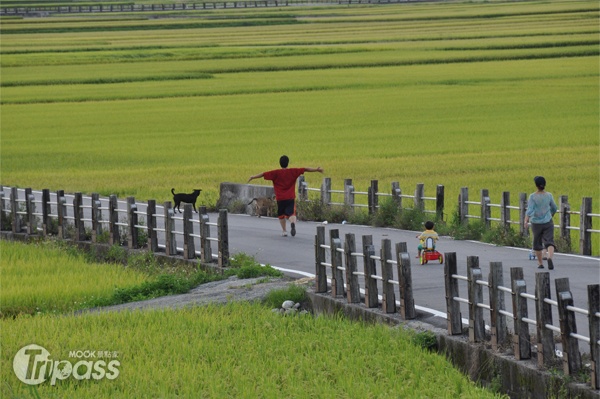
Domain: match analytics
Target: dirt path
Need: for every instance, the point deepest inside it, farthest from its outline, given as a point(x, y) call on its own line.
point(231, 289)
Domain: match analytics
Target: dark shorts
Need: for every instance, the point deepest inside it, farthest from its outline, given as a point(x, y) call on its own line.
point(286, 208)
point(543, 235)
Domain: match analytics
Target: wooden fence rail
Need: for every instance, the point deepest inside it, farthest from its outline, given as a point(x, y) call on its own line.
point(378, 274)
point(116, 222)
point(434, 205)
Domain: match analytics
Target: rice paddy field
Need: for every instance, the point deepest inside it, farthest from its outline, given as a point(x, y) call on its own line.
point(215, 351)
point(464, 94)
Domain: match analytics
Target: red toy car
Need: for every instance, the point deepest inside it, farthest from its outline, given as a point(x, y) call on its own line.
point(429, 253)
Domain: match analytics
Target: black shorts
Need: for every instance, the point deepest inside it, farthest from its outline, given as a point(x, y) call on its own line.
point(286, 208)
point(543, 235)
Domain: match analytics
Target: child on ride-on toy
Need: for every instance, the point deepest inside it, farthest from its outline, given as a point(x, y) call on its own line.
point(428, 233)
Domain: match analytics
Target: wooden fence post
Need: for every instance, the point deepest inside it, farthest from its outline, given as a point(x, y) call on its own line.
point(14, 210)
point(476, 322)
point(337, 274)
point(96, 217)
point(151, 223)
point(205, 248)
point(543, 311)
point(30, 210)
point(452, 306)
point(585, 225)
point(397, 194)
point(46, 211)
point(565, 219)
point(223, 238)
point(387, 273)
point(439, 202)
point(189, 250)
point(419, 194)
point(3, 217)
point(371, 296)
point(373, 198)
point(407, 301)
point(348, 193)
point(78, 217)
point(132, 222)
point(463, 206)
point(505, 210)
point(497, 319)
point(61, 211)
point(326, 191)
point(320, 258)
point(522, 210)
point(352, 285)
point(485, 208)
point(521, 338)
point(170, 242)
point(113, 219)
point(568, 326)
point(594, 322)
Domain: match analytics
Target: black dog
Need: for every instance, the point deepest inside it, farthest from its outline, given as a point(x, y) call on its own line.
point(187, 198)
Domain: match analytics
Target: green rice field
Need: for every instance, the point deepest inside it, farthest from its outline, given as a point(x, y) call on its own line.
point(216, 351)
point(478, 95)
point(45, 279)
point(233, 351)
point(464, 94)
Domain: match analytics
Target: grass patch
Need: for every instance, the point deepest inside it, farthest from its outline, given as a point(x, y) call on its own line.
point(44, 278)
point(245, 266)
point(293, 292)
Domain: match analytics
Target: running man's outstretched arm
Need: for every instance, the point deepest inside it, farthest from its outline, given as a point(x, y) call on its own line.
point(258, 176)
point(317, 169)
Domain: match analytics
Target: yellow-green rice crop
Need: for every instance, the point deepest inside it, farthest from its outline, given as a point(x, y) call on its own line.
point(235, 351)
point(478, 95)
point(42, 278)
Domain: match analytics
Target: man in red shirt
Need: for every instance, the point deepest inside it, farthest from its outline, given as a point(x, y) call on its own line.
point(284, 183)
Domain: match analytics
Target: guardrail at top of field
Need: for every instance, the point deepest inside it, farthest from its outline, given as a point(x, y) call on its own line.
point(101, 8)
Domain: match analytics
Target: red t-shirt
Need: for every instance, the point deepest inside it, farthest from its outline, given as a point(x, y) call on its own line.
point(284, 182)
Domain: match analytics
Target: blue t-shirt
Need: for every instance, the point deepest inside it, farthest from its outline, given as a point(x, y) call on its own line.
point(541, 207)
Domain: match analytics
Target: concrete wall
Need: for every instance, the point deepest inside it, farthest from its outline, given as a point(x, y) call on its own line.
point(243, 194)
